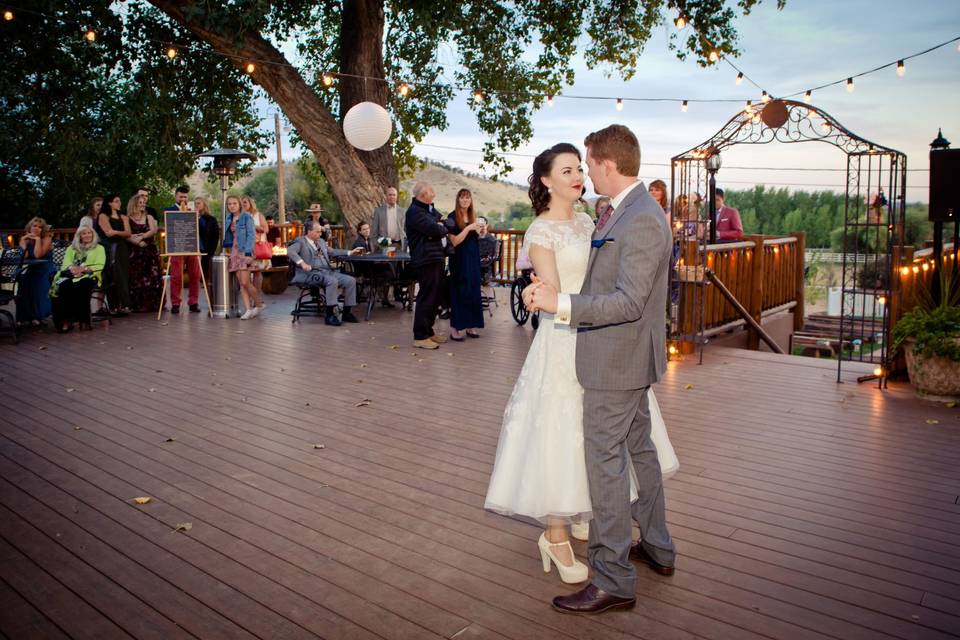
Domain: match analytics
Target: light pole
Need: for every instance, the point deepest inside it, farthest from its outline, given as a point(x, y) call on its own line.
point(713, 163)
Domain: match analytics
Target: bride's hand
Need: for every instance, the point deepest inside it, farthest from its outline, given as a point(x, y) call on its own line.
point(527, 294)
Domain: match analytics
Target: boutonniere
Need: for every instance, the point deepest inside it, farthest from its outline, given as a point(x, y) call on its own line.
point(599, 242)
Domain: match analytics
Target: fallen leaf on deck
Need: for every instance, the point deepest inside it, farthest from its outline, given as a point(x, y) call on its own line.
point(394, 346)
point(158, 370)
point(101, 342)
point(282, 369)
point(170, 439)
point(450, 353)
point(44, 348)
point(129, 348)
point(152, 389)
point(951, 405)
point(932, 421)
point(227, 358)
point(689, 386)
point(363, 365)
point(319, 446)
point(163, 324)
point(243, 399)
point(419, 359)
point(183, 526)
point(308, 404)
point(77, 428)
point(142, 499)
point(70, 389)
point(363, 403)
point(359, 380)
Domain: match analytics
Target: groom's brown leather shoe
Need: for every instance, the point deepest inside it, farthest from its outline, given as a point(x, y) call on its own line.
point(590, 600)
point(637, 552)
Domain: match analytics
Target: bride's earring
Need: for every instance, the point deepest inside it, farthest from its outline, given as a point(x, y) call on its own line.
point(549, 189)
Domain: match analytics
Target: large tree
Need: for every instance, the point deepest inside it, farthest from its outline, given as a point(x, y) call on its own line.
point(516, 53)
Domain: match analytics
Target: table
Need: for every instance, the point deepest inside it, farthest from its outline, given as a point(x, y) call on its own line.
point(377, 278)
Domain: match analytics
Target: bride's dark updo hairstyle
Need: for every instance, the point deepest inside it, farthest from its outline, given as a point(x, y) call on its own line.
point(542, 164)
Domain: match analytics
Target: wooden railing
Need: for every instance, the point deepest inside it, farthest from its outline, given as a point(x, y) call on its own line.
point(914, 279)
point(764, 273)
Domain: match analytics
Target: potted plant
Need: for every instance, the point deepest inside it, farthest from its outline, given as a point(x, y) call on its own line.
point(929, 335)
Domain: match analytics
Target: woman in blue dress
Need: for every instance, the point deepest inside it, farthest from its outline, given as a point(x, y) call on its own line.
point(466, 302)
point(33, 300)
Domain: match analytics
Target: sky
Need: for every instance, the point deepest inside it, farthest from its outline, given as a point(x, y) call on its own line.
point(808, 43)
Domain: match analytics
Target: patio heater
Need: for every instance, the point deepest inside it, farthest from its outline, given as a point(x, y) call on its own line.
point(944, 205)
point(224, 165)
point(713, 163)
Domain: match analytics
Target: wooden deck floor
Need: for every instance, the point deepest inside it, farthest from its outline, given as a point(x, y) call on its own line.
point(803, 509)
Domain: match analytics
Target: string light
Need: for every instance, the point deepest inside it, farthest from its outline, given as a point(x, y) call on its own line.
point(905, 271)
point(808, 96)
point(683, 106)
point(478, 96)
point(404, 90)
point(250, 68)
point(8, 15)
point(765, 96)
point(901, 69)
point(172, 52)
point(739, 79)
point(714, 55)
point(749, 108)
point(619, 104)
point(327, 79)
point(849, 85)
point(916, 269)
point(90, 35)
point(878, 371)
point(681, 22)
point(549, 101)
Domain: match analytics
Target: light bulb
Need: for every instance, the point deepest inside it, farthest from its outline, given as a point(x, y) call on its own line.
point(850, 85)
point(251, 67)
point(878, 371)
point(8, 15)
point(683, 106)
point(327, 79)
point(808, 96)
point(549, 101)
point(171, 53)
point(905, 271)
point(404, 90)
point(901, 69)
point(90, 35)
point(714, 55)
point(681, 22)
point(739, 77)
point(619, 104)
point(765, 96)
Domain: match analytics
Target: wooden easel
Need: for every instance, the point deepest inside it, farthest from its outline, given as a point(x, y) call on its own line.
point(166, 281)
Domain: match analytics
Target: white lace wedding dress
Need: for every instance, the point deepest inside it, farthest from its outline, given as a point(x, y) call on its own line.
point(540, 469)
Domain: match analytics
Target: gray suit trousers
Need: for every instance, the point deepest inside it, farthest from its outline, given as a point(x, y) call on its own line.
point(331, 281)
point(616, 433)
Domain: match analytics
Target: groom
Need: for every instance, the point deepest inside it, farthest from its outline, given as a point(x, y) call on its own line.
point(621, 350)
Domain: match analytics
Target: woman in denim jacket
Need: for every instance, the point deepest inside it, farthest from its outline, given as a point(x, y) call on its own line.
point(238, 236)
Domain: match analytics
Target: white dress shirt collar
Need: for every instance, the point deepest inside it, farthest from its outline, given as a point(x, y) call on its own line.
point(620, 197)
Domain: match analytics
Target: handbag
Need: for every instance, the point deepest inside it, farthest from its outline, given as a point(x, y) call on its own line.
point(262, 250)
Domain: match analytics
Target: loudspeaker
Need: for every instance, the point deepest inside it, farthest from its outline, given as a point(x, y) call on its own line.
point(944, 185)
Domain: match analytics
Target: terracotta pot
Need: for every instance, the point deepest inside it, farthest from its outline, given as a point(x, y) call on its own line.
point(935, 377)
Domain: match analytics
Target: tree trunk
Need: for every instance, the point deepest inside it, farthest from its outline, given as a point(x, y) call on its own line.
point(357, 190)
point(361, 54)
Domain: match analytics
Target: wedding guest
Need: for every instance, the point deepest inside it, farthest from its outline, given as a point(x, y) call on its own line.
point(82, 268)
point(658, 189)
point(146, 284)
point(181, 197)
point(729, 227)
point(33, 299)
point(388, 221)
point(466, 300)
point(93, 210)
point(315, 213)
point(239, 239)
point(209, 234)
point(113, 228)
point(143, 191)
point(311, 256)
point(426, 235)
point(600, 207)
point(362, 241)
point(249, 205)
point(488, 244)
point(273, 232)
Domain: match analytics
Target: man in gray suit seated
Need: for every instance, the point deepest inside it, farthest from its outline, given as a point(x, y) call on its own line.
point(314, 269)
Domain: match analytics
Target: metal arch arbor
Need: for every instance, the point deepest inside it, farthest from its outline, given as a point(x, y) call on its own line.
point(874, 212)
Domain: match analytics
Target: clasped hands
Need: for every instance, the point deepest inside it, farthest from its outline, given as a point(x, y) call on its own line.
point(540, 296)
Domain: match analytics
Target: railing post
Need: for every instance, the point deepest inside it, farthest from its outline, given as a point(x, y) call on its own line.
point(799, 314)
point(755, 306)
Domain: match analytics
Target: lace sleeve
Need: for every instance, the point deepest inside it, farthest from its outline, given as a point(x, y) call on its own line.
point(540, 234)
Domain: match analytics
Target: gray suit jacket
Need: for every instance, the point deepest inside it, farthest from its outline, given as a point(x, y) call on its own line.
point(379, 227)
point(620, 313)
point(301, 249)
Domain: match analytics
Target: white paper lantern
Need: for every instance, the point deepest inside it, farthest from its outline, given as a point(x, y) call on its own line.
point(367, 126)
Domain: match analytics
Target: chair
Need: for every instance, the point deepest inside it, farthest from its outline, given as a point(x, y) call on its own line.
point(487, 264)
point(11, 268)
point(310, 302)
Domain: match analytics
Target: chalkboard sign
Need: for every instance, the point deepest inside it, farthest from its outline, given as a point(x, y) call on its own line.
point(182, 234)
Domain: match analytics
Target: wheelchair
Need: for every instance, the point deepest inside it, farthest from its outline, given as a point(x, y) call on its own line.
point(519, 311)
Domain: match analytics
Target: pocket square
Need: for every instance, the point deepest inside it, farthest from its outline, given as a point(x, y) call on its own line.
point(599, 242)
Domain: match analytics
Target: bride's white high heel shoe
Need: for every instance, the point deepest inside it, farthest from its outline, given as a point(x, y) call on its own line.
point(580, 530)
point(577, 572)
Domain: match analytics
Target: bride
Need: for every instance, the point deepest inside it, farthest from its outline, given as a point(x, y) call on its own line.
point(540, 469)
